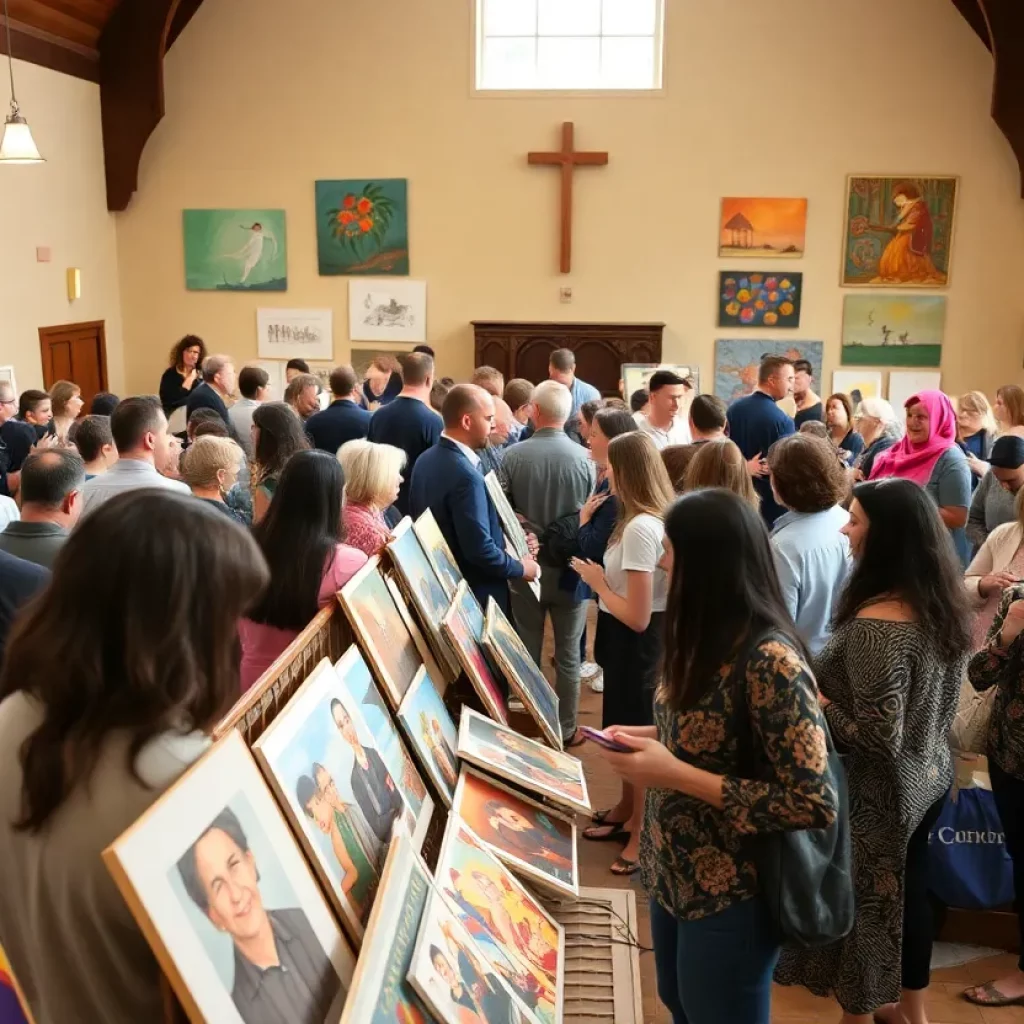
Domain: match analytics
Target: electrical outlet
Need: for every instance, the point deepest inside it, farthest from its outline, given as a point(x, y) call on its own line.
point(565, 294)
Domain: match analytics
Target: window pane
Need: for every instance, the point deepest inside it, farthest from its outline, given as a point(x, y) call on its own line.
point(628, 64)
point(569, 63)
point(508, 64)
point(630, 17)
point(569, 17)
point(510, 17)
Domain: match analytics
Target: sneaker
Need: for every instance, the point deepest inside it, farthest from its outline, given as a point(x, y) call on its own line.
point(597, 683)
point(588, 670)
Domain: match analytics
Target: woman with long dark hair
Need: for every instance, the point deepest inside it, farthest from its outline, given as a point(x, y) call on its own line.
point(890, 678)
point(105, 699)
point(300, 537)
point(277, 435)
point(184, 373)
point(736, 682)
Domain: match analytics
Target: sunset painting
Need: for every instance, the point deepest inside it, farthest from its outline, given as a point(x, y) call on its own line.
point(766, 228)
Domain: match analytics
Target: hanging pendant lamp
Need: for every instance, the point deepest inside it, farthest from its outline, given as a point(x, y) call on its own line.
point(16, 145)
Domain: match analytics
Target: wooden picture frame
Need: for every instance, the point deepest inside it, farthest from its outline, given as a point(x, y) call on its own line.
point(436, 548)
point(511, 526)
point(432, 735)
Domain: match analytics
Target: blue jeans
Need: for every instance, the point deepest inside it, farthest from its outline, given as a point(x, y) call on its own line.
point(718, 969)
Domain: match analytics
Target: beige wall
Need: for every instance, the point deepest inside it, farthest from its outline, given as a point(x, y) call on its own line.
point(61, 204)
point(762, 99)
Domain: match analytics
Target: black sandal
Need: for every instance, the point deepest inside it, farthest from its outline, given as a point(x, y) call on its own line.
point(618, 833)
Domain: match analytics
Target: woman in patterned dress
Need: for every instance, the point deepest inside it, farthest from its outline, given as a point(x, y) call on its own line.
point(735, 674)
point(890, 678)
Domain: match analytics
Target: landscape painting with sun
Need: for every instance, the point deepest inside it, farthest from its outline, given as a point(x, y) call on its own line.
point(765, 228)
point(899, 330)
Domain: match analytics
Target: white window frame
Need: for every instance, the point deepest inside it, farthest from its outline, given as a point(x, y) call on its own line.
point(657, 89)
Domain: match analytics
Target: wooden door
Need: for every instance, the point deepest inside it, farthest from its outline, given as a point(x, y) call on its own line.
point(75, 352)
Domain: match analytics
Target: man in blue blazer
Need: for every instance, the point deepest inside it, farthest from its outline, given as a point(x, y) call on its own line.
point(344, 419)
point(447, 480)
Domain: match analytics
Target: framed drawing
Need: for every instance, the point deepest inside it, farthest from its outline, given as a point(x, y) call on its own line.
point(759, 299)
point(511, 526)
point(523, 674)
point(424, 590)
point(904, 385)
point(440, 555)
point(362, 226)
point(381, 993)
point(381, 633)
point(899, 231)
point(535, 842)
point(636, 375)
point(858, 384)
point(295, 334)
point(500, 750)
point(357, 680)
point(767, 228)
point(893, 330)
point(219, 819)
point(235, 250)
point(737, 361)
point(463, 625)
point(511, 929)
point(432, 734)
point(387, 310)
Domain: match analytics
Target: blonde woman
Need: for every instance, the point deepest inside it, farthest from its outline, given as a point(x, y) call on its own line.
point(210, 467)
point(721, 464)
point(66, 402)
point(976, 431)
point(373, 475)
point(632, 591)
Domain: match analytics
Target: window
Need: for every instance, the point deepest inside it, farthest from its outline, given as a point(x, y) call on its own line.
point(569, 44)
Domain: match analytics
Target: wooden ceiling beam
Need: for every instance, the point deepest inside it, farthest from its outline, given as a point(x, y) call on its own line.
point(56, 21)
point(975, 17)
point(48, 51)
point(1005, 22)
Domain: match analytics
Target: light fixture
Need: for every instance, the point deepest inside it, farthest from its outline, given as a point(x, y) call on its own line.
point(16, 144)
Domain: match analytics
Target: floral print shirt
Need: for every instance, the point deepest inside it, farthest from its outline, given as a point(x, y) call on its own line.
point(693, 857)
point(1003, 667)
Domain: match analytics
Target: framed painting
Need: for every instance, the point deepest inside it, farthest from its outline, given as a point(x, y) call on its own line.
point(362, 226)
point(893, 330)
point(737, 362)
point(437, 550)
point(380, 992)
point(432, 734)
point(765, 228)
point(636, 375)
point(387, 310)
point(438, 671)
point(899, 231)
point(357, 680)
point(523, 674)
point(500, 750)
point(235, 250)
point(759, 299)
point(295, 334)
point(378, 625)
point(463, 625)
point(858, 384)
point(535, 842)
point(219, 819)
point(904, 385)
point(513, 529)
point(424, 590)
point(452, 977)
point(516, 935)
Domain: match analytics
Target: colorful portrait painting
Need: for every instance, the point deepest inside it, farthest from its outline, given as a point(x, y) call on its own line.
point(534, 841)
point(899, 231)
point(380, 992)
point(432, 734)
point(235, 250)
point(437, 550)
point(464, 627)
point(452, 976)
point(768, 228)
point(362, 227)
point(759, 299)
point(737, 362)
point(517, 937)
point(387, 644)
point(502, 751)
point(220, 821)
point(893, 330)
point(522, 673)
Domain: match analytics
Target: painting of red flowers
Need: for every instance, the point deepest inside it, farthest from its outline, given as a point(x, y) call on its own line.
point(362, 227)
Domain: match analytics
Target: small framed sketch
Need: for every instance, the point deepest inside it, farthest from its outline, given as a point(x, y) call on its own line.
point(463, 624)
point(218, 821)
point(387, 309)
point(537, 843)
point(440, 555)
point(903, 385)
point(432, 734)
point(502, 751)
point(295, 333)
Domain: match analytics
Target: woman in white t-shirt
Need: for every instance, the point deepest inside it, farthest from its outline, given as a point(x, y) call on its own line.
point(632, 589)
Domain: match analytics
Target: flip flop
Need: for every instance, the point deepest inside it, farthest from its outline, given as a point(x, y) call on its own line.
point(622, 866)
point(992, 996)
point(601, 817)
point(617, 834)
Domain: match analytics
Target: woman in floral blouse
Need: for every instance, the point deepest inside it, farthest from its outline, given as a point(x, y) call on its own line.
point(373, 475)
point(735, 669)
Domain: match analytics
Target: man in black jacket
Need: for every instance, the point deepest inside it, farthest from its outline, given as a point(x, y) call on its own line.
point(218, 384)
point(344, 419)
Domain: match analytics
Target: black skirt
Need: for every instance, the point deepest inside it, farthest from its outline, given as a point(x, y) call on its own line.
point(631, 662)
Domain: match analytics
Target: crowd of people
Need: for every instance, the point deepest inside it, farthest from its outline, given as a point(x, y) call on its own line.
point(762, 586)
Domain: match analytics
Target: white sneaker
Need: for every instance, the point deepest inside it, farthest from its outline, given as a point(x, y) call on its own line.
point(588, 670)
point(597, 683)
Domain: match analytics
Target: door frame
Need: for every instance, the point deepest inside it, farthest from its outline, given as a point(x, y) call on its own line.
point(45, 333)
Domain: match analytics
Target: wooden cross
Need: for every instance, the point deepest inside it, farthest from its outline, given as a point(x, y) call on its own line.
point(568, 160)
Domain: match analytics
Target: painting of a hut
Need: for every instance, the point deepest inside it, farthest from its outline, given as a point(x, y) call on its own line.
point(765, 228)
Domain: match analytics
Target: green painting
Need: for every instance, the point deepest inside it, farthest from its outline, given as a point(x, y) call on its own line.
point(362, 227)
point(893, 330)
point(235, 251)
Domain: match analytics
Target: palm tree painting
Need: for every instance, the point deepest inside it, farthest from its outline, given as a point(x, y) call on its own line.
point(362, 227)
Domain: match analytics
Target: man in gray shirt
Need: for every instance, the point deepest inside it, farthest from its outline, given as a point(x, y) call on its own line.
point(51, 493)
point(547, 478)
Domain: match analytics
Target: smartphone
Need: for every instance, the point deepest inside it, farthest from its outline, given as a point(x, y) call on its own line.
point(604, 740)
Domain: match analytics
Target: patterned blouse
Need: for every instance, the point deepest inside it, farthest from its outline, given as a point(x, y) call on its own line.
point(365, 528)
point(1003, 667)
point(692, 855)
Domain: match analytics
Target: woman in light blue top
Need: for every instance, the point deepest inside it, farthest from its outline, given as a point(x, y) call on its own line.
point(811, 556)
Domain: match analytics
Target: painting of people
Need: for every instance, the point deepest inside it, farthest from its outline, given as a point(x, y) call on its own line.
point(767, 228)
point(432, 734)
point(235, 250)
point(437, 550)
point(893, 330)
point(214, 940)
point(899, 231)
point(464, 626)
point(535, 842)
point(759, 299)
point(737, 361)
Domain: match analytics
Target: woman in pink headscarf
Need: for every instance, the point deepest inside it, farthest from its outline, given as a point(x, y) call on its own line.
point(929, 456)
